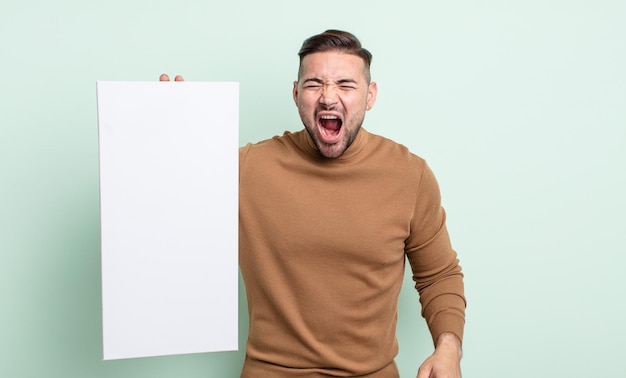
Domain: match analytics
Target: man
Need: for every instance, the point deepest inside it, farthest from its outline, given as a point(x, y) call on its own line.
point(327, 217)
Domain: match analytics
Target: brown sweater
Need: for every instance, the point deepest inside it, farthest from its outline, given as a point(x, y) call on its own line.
point(322, 246)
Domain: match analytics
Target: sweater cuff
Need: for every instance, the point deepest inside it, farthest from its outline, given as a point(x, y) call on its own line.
point(449, 321)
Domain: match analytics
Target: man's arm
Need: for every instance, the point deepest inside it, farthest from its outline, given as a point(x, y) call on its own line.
point(438, 279)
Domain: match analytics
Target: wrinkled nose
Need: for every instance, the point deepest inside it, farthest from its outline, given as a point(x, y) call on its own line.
point(328, 96)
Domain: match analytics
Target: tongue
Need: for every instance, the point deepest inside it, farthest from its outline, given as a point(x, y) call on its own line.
point(331, 124)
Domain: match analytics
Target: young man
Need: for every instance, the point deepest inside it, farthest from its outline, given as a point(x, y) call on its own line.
point(327, 217)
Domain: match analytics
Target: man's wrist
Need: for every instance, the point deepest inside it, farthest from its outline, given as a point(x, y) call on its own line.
point(449, 342)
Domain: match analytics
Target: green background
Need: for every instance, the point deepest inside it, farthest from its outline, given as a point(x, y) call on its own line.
point(519, 107)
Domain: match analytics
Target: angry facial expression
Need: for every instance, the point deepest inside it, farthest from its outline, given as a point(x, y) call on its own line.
point(332, 95)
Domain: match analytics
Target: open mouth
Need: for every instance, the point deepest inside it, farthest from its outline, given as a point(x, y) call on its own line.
point(330, 127)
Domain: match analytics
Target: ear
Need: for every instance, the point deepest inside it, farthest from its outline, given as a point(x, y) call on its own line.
point(372, 90)
point(295, 92)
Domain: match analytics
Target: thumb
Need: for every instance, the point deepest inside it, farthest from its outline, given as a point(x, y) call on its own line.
point(424, 371)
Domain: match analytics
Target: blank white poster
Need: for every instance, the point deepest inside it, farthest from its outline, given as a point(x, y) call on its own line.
point(169, 209)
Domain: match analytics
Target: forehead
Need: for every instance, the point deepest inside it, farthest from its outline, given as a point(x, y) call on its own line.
point(332, 65)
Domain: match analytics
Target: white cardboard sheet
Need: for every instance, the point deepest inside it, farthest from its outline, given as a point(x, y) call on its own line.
point(169, 197)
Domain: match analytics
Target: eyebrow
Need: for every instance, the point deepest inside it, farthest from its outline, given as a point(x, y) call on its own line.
point(346, 81)
point(313, 80)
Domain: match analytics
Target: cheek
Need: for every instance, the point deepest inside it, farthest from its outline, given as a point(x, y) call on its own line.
point(306, 105)
point(306, 113)
point(302, 106)
point(354, 105)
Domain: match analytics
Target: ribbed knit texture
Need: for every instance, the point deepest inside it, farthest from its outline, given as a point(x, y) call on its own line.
point(322, 247)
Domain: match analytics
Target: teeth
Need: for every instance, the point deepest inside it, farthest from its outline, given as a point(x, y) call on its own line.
point(329, 117)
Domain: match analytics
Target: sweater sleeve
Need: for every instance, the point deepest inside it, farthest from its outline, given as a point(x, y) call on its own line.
point(436, 270)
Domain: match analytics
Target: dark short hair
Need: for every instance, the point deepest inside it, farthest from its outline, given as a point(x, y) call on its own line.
point(336, 40)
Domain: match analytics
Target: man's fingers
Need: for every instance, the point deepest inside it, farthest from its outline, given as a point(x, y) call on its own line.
point(165, 77)
point(423, 373)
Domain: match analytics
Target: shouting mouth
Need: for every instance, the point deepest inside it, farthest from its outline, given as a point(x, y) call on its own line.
point(329, 126)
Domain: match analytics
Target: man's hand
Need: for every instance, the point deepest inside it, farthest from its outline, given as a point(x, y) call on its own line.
point(165, 77)
point(445, 362)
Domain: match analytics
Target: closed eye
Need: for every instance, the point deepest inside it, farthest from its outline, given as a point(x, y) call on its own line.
point(313, 83)
point(316, 83)
point(347, 84)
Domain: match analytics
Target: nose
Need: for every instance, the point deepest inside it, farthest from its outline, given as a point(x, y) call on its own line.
point(329, 95)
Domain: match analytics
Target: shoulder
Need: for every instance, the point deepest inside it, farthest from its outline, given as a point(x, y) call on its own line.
point(278, 144)
point(403, 165)
point(394, 153)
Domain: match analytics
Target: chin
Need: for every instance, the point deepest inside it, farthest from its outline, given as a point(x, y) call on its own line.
point(331, 152)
